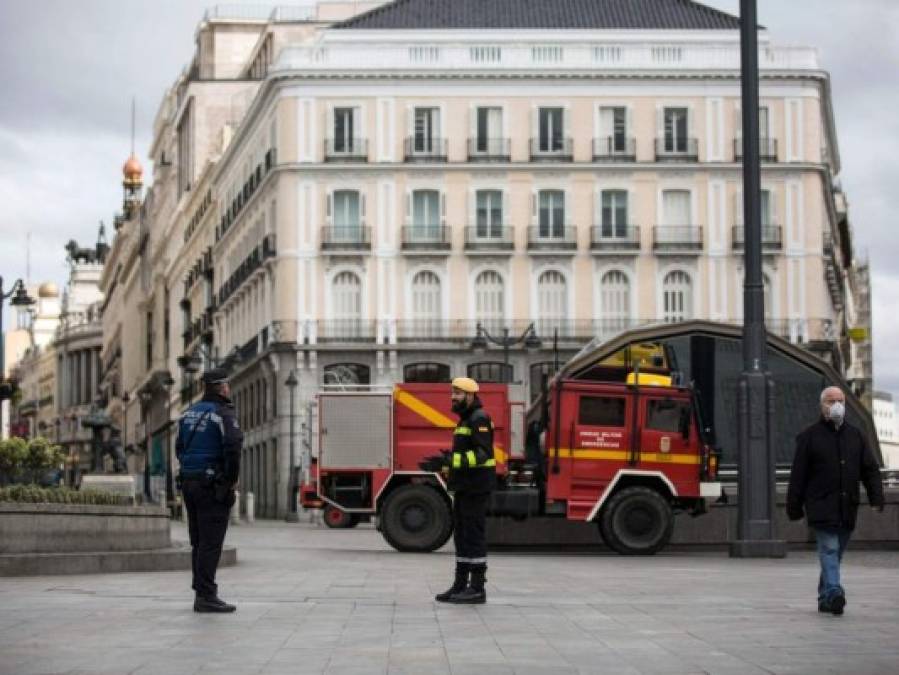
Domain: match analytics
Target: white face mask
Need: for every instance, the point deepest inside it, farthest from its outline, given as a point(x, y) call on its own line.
point(837, 412)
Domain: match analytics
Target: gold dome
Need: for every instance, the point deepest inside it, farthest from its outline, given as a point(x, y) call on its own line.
point(132, 170)
point(48, 290)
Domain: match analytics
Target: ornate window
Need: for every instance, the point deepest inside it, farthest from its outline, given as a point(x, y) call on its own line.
point(677, 297)
point(426, 372)
point(490, 300)
point(552, 304)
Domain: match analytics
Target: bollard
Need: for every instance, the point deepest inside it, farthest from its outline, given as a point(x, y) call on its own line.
point(235, 510)
point(251, 508)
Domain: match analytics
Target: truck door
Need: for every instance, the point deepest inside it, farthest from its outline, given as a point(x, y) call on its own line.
point(668, 435)
point(600, 434)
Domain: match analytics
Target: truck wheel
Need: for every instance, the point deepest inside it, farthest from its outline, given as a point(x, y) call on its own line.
point(336, 518)
point(416, 518)
point(637, 521)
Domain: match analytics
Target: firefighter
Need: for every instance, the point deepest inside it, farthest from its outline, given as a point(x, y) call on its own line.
point(472, 476)
point(208, 449)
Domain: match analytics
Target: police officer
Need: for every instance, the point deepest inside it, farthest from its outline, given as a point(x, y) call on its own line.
point(208, 449)
point(472, 476)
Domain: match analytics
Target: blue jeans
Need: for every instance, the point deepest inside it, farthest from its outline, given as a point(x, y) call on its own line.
point(831, 545)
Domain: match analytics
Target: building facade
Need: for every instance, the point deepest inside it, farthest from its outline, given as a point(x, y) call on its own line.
point(408, 194)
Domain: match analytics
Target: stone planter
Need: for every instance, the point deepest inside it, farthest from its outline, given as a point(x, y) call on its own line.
point(74, 528)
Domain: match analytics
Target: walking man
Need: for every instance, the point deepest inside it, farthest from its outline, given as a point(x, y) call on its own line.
point(208, 450)
point(832, 456)
point(472, 476)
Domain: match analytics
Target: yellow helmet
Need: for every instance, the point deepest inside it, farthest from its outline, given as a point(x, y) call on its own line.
point(465, 384)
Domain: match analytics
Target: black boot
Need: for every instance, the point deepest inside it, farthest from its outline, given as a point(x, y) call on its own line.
point(212, 605)
point(475, 594)
point(459, 584)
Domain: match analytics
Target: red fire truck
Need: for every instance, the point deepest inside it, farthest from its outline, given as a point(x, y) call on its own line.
point(619, 446)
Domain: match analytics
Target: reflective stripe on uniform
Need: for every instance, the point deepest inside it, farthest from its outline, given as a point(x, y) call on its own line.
point(462, 431)
point(457, 460)
point(472, 561)
point(472, 461)
point(471, 458)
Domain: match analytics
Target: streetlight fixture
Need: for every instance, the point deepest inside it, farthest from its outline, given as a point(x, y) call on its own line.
point(291, 515)
point(755, 393)
point(18, 297)
point(528, 338)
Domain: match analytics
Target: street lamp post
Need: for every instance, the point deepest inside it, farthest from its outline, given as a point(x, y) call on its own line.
point(755, 395)
point(18, 297)
point(528, 338)
point(292, 516)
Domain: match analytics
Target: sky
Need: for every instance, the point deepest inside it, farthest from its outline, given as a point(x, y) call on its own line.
point(68, 72)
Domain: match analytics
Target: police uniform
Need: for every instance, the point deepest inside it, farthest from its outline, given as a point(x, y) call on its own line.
point(208, 450)
point(472, 477)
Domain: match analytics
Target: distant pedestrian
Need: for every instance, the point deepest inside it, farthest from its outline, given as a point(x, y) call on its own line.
point(208, 449)
point(832, 456)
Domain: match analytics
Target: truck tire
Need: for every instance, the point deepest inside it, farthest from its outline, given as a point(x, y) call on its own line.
point(637, 521)
point(336, 518)
point(416, 518)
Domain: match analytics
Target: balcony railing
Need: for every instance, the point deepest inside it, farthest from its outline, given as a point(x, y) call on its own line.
point(346, 238)
point(677, 150)
point(552, 238)
point(772, 237)
point(422, 149)
point(767, 149)
point(677, 239)
point(614, 149)
point(615, 238)
point(347, 330)
point(425, 238)
point(489, 150)
point(552, 149)
point(489, 238)
point(346, 150)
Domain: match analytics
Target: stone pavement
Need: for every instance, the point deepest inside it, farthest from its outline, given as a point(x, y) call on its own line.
point(313, 600)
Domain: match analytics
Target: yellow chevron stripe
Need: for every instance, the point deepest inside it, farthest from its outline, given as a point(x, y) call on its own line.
point(624, 455)
point(435, 417)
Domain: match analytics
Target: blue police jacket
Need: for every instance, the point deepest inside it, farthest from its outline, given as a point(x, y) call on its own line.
point(217, 441)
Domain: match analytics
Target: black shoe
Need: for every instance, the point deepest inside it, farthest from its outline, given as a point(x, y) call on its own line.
point(823, 607)
point(212, 605)
point(459, 584)
point(837, 604)
point(469, 596)
point(449, 592)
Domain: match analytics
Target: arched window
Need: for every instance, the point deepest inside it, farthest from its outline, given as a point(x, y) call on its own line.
point(346, 306)
point(426, 372)
point(552, 304)
point(347, 376)
point(491, 371)
point(615, 302)
point(490, 300)
point(677, 297)
point(427, 305)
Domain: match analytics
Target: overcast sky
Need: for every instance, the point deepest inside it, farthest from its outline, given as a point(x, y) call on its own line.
point(68, 71)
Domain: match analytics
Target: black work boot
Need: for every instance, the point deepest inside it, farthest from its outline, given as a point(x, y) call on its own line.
point(212, 605)
point(475, 593)
point(459, 584)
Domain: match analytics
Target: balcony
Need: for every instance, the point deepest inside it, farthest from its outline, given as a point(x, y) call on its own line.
point(346, 150)
point(489, 150)
point(354, 238)
point(552, 149)
point(772, 237)
point(614, 149)
point(677, 150)
point(426, 239)
point(615, 239)
point(489, 239)
point(767, 149)
point(346, 330)
point(552, 239)
point(420, 149)
point(677, 239)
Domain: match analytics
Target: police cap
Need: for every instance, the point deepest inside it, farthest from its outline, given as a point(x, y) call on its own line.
point(215, 376)
point(465, 384)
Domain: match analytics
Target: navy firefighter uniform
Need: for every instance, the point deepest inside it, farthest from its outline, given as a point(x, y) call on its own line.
point(208, 450)
point(472, 477)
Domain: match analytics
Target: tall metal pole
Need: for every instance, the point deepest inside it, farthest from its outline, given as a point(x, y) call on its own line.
point(755, 396)
point(506, 345)
point(291, 515)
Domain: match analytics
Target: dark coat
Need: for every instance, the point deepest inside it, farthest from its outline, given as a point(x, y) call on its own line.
point(472, 467)
point(827, 468)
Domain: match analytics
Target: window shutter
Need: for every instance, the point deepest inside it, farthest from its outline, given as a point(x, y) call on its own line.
point(566, 121)
point(357, 124)
point(409, 206)
point(631, 205)
point(329, 207)
point(442, 208)
point(507, 206)
point(362, 206)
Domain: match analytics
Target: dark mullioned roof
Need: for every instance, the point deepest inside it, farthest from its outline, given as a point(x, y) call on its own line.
point(524, 14)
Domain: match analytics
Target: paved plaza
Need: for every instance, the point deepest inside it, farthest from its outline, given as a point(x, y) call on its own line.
point(312, 600)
